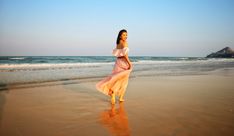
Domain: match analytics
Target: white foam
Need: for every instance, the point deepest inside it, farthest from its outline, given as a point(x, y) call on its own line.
point(51, 65)
point(68, 65)
point(185, 60)
point(18, 58)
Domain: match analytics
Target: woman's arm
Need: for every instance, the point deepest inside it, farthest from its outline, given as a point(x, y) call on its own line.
point(126, 56)
point(129, 62)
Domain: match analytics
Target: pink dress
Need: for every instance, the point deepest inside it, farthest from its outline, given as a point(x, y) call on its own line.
point(117, 81)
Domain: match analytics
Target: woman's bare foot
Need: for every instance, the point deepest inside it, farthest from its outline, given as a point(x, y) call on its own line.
point(121, 99)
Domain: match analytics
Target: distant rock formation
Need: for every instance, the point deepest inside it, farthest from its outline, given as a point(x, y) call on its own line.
point(226, 52)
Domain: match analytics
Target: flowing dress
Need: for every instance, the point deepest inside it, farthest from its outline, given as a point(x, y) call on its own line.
point(117, 81)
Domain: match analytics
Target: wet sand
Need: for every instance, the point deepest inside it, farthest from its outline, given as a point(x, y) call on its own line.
point(195, 105)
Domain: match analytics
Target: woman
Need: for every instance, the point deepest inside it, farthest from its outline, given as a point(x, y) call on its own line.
point(116, 83)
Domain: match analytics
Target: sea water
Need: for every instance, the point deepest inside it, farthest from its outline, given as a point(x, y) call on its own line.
point(33, 69)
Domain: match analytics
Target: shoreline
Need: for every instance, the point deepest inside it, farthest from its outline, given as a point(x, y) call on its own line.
point(53, 69)
point(77, 80)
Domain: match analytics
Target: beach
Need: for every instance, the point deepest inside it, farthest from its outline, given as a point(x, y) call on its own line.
point(168, 63)
point(181, 105)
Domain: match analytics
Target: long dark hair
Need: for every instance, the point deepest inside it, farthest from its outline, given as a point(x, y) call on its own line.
point(119, 35)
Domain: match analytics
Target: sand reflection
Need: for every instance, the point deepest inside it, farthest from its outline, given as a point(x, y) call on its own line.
point(116, 120)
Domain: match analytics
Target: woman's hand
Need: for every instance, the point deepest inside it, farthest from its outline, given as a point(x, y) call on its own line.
point(130, 65)
point(129, 62)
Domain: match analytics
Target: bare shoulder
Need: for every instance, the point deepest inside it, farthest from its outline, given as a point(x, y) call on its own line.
point(125, 44)
point(121, 45)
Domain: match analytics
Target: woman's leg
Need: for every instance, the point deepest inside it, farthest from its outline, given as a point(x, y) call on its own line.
point(113, 99)
point(124, 86)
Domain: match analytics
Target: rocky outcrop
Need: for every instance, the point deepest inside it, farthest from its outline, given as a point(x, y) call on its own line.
point(226, 52)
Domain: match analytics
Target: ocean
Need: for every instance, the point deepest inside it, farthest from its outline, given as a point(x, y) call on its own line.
point(18, 70)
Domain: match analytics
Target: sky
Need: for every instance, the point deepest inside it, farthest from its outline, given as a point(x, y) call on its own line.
point(191, 28)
